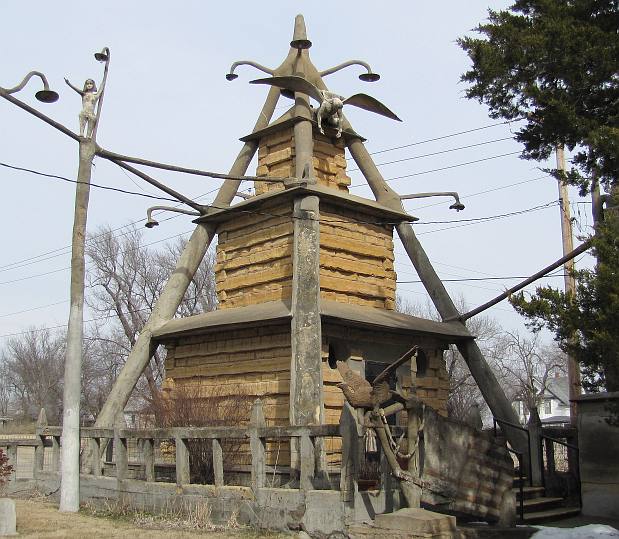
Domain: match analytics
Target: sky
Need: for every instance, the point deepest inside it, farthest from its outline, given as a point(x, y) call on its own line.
point(167, 99)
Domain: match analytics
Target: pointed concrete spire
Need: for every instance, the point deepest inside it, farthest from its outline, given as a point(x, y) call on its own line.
point(299, 38)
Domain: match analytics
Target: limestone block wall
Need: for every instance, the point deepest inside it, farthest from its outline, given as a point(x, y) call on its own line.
point(433, 383)
point(254, 258)
point(276, 159)
point(253, 362)
point(356, 259)
point(249, 363)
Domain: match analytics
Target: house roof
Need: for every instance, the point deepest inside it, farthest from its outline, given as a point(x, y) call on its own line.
point(559, 388)
point(352, 315)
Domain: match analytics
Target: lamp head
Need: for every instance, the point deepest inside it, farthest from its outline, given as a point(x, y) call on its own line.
point(369, 77)
point(46, 96)
point(151, 223)
point(299, 36)
point(102, 56)
point(458, 206)
point(231, 76)
point(300, 44)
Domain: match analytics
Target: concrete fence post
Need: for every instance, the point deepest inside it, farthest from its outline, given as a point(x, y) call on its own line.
point(148, 452)
point(95, 456)
point(350, 454)
point(183, 471)
point(39, 450)
point(55, 464)
point(120, 450)
point(218, 463)
point(307, 468)
point(257, 447)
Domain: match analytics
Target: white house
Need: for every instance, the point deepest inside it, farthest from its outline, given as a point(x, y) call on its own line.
point(555, 404)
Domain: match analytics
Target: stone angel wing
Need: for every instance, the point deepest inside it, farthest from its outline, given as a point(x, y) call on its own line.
point(367, 102)
point(296, 84)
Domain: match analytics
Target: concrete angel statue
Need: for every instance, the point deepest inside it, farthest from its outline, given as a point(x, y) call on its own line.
point(90, 96)
point(331, 104)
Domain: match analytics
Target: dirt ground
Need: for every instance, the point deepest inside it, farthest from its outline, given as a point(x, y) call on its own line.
point(38, 517)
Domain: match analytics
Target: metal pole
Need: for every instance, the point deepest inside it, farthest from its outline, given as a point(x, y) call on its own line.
point(573, 369)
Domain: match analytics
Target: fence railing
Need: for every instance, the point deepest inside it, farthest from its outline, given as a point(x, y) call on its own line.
point(106, 452)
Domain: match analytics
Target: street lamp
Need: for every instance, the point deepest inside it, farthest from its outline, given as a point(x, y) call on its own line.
point(151, 222)
point(457, 205)
point(45, 96)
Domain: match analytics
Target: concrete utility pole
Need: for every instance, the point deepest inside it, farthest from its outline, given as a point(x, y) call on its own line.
point(573, 369)
point(70, 452)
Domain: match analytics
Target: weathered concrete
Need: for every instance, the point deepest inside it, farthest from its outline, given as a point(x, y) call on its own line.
point(306, 336)
point(598, 441)
point(7, 517)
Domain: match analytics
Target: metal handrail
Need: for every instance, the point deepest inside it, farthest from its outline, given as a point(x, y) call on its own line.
point(519, 427)
point(557, 441)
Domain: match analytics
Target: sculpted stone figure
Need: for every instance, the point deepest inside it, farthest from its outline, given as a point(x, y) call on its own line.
point(331, 104)
point(90, 96)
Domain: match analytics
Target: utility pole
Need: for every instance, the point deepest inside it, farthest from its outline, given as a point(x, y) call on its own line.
point(70, 452)
point(573, 369)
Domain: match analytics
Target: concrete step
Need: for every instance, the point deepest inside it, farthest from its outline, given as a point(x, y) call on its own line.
point(541, 503)
point(530, 492)
point(558, 513)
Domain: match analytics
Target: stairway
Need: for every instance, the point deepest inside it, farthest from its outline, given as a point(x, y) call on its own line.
point(540, 508)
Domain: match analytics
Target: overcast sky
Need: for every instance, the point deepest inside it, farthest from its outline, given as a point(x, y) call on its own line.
point(167, 100)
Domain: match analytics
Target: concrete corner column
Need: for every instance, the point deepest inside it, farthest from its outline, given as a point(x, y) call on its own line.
point(306, 341)
point(537, 463)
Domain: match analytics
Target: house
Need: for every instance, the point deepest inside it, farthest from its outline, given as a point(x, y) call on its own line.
point(554, 404)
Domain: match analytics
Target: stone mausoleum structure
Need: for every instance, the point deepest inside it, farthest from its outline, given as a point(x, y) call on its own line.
point(305, 277)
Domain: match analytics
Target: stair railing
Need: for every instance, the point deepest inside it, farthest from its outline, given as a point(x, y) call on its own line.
point(520, 457)
point(573, 463)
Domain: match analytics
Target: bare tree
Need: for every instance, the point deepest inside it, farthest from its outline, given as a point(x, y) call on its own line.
point(6, 394)
point(126, 277)
point(526, 367)
point(33, 367)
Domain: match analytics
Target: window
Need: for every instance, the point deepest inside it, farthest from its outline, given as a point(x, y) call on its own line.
point(547, 406)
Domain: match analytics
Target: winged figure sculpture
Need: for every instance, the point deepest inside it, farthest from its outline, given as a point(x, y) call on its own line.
point(331, 104)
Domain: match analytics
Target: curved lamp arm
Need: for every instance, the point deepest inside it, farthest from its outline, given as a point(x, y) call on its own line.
point(46, 95)
point(370, 76)
point(457, 205)
point(232, 75)
point(150, 222)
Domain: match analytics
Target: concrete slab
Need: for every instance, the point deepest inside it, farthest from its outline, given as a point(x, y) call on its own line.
point(417, 521)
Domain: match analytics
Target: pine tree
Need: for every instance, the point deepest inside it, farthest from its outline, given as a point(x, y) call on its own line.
point(555, 64)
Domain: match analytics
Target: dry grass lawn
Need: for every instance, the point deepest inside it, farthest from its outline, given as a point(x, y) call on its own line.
point(38, 517)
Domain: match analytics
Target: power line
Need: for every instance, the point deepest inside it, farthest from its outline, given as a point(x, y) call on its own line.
point(441, 137)
point(483, 278)
point(451, 166)
point(105, 187)
point(537, 208)
point(436, 153)
point(38, 258)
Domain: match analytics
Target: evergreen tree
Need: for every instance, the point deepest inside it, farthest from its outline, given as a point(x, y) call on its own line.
point(555, 64)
